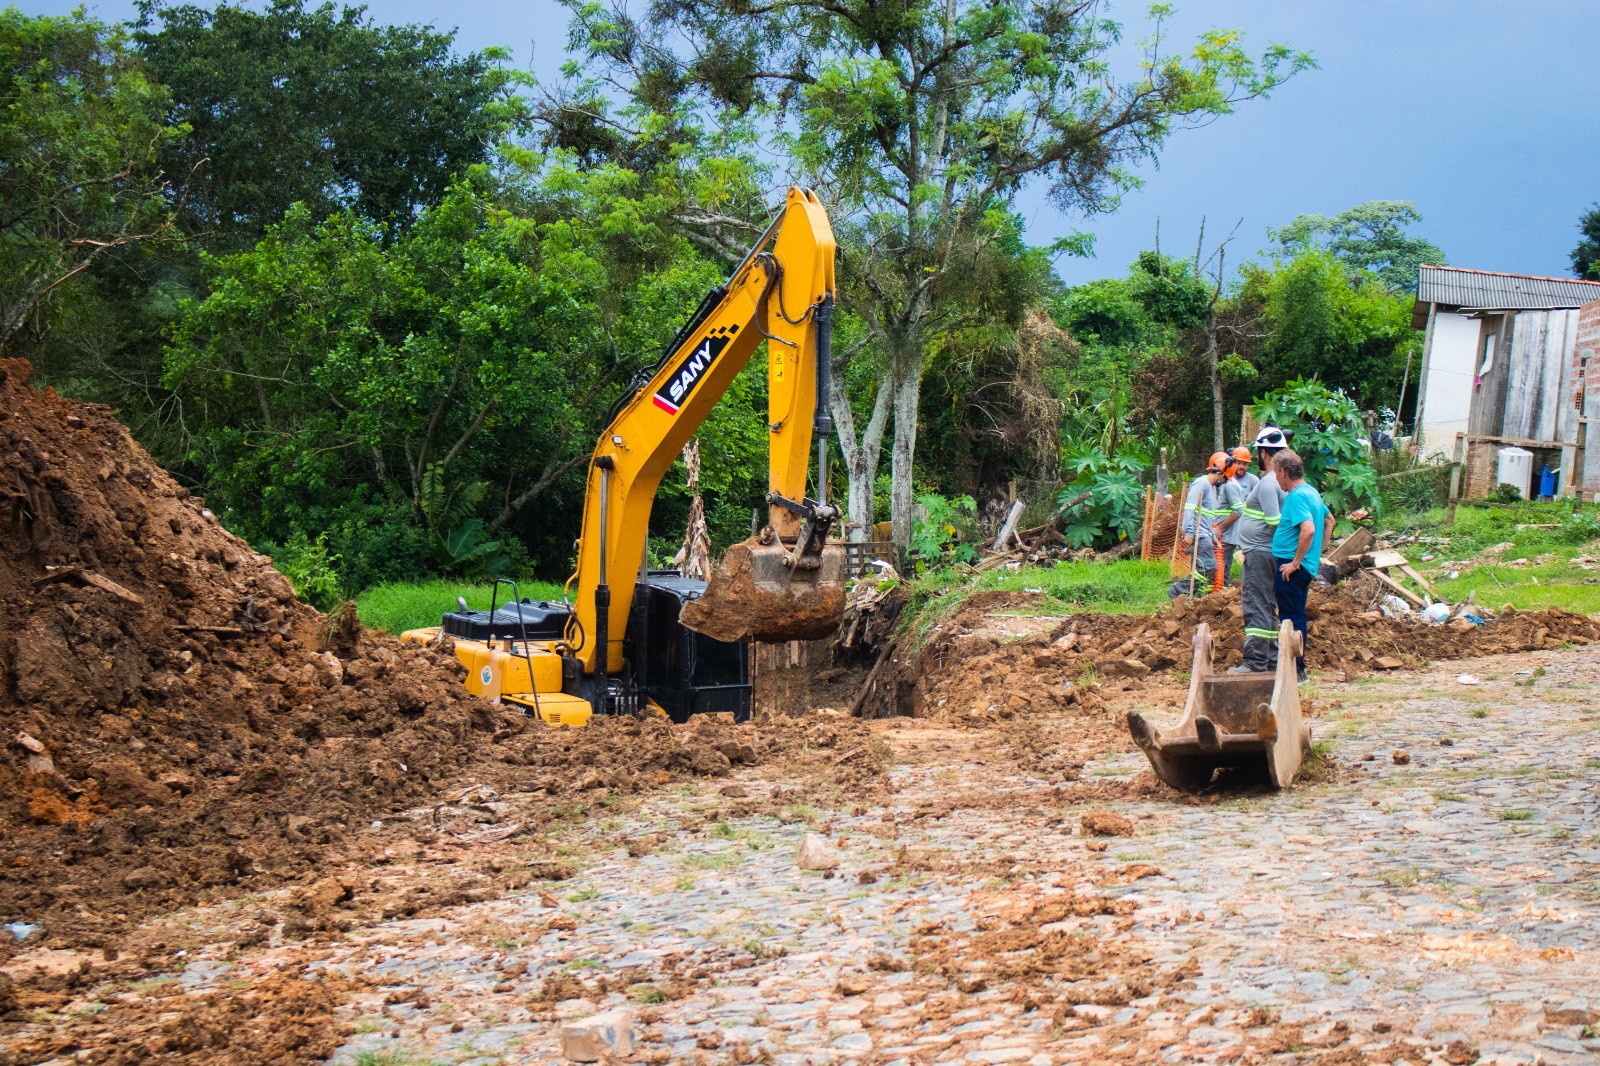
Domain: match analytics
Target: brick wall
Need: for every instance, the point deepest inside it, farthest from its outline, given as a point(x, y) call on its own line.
point(1588, 347)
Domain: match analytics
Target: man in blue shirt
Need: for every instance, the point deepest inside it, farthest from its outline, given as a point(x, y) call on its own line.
point(1304, 523)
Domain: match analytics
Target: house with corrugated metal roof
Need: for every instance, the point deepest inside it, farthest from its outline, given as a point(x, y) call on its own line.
point(1501, 369)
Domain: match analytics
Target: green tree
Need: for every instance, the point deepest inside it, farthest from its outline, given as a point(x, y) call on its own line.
point(1586, 254)
point(1323, 323)
point(394, 389)
point(920, 124)
point(81, 125)
point(1368, 237)
point(323, 107)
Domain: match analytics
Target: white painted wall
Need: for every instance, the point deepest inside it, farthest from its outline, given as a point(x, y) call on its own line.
point(1451, 361)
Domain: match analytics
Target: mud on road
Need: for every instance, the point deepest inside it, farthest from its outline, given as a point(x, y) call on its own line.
point(1439, 909)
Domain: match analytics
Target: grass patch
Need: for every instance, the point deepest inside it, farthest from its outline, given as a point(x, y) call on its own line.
point(1126, 586)
point(1516, 816)
point(722, 860)
point(647, 994)
point(1559, 583)
point(1318, 765)
point(399, 607)
point(392, 1057)
point(1400, 876)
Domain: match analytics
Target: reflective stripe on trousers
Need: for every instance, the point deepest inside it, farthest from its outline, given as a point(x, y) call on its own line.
point(1260, 607)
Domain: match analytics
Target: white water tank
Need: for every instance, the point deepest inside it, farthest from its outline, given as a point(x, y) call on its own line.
point(1516, 468)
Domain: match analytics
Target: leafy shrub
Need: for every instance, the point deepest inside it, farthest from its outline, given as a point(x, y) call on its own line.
point(948, 532)
point(1116, 502)
point(1328, 436)
point(1581, 528)
point(1505, 492)
point(1419, 490)
point(311, 570)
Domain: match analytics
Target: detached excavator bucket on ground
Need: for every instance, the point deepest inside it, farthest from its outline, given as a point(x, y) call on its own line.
point(764, 590)
point(1248, 722)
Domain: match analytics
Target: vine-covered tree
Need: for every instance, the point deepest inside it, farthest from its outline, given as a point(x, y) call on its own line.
point(920, 121)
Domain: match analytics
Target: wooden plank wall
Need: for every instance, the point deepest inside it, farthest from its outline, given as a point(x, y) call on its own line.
point(1541, 341)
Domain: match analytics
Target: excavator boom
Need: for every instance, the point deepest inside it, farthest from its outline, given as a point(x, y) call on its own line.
point(787, 583)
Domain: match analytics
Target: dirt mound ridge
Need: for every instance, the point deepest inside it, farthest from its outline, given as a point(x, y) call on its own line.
point(1343, 634)
point(967, 672)
point(175, 724)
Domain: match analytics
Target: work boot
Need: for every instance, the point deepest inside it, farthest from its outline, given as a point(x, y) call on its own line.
point(1243, 669)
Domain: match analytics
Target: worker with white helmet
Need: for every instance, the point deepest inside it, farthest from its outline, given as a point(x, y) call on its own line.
point(1256, 519)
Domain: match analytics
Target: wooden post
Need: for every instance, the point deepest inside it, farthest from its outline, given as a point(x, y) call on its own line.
point(1405, 379)
point(1144, 534)
point(1161, 474)
point(1578, 459)
point(1455, 478)
point(1008, 530)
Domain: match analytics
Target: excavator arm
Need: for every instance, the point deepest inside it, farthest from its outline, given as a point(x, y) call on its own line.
point(783, 293)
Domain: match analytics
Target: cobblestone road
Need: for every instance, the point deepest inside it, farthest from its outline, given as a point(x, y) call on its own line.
point(1432, 908)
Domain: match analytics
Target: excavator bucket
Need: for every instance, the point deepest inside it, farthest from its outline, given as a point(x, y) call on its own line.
point(754, 595)
point(1237, 721)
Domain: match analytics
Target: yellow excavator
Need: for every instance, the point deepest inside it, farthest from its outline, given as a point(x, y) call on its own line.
point(667, 644)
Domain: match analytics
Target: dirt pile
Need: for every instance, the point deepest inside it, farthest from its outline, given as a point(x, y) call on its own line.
point(968, 671)
point(1343, 634)
point(176, 725)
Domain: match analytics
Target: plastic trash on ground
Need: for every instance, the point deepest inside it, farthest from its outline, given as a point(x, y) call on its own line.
point(1394, 607)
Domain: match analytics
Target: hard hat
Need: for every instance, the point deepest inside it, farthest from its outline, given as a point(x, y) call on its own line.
point(1220, 461)
point(1272, 437)
point(1241, 456)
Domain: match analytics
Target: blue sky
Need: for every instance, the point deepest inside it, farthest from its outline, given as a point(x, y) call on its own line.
point(1480, 112)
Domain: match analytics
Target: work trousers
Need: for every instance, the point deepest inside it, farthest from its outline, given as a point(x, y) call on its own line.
point(1205, 577)
point(1227, 563)
point(1260, 606)
point(1291, 597)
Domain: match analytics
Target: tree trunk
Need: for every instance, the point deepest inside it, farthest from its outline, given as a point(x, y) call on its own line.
point(1216, 379)
point(861, 456)
point(905, 382)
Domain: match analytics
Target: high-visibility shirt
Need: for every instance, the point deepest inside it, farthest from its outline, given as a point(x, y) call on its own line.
point(1202, 509)
point(1258, 515)
point(1233, 493)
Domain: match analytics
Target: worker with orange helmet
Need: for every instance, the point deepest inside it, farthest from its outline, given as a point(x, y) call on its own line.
point(1234, 492)
point(1202, 510)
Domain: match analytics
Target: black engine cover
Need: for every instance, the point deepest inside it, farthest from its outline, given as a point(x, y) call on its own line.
point(539, 620)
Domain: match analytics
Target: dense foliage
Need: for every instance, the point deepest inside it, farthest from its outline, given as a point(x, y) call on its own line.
point(373, 295)
point(321, 108)
point(1369, 238)
point(81, 125)
point(1326, 433)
